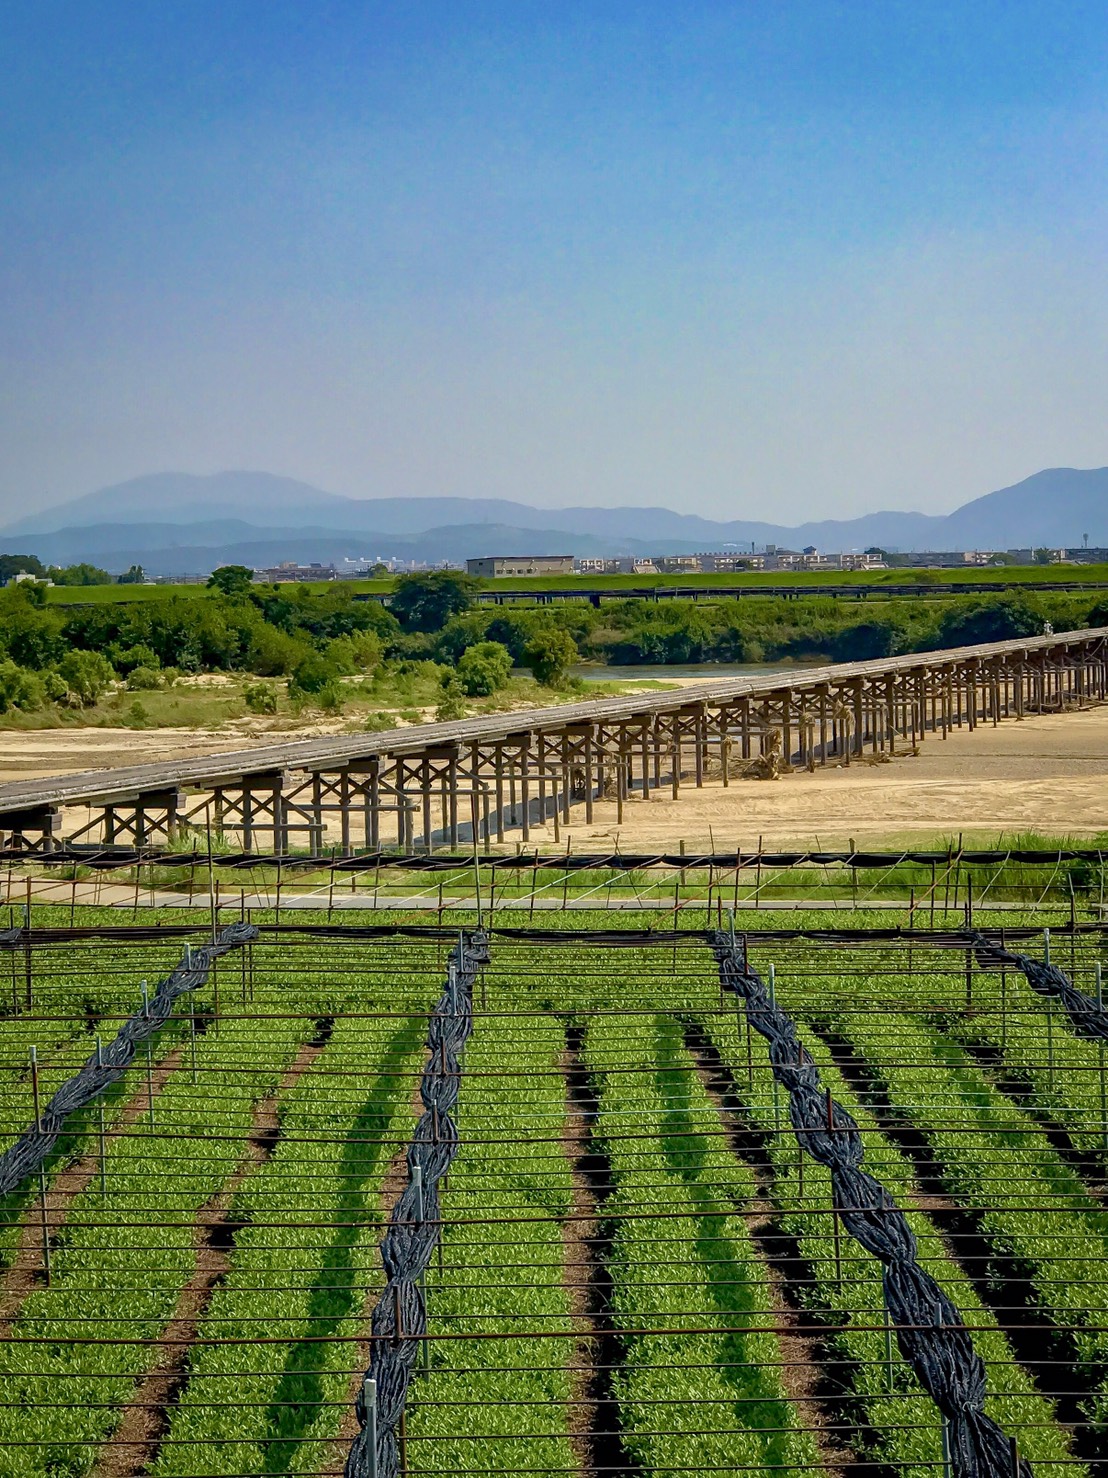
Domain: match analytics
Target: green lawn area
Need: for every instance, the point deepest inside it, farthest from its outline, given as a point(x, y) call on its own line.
point(990, 578)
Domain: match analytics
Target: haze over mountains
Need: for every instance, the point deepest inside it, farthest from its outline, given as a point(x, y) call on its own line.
point(178, 523)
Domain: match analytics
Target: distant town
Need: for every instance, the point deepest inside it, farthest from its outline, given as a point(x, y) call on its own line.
point(721, 562)
point(15, 569)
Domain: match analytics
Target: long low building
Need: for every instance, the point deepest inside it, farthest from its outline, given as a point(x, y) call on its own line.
point(493, 566)
point(435, 783)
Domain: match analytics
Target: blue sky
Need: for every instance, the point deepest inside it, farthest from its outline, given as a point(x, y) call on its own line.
point(744, 259)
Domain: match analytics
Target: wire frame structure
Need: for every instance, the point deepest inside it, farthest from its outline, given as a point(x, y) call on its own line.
point(638, 1265)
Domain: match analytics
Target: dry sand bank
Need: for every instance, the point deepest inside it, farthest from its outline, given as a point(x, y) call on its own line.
point(1047, 774)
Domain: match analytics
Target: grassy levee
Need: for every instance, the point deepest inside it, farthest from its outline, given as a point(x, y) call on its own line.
point(928, 581)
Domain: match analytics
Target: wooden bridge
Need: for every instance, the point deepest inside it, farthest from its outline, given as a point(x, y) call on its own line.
point(474, 780)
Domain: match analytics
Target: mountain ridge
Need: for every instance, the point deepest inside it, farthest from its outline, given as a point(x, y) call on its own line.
point(216, 517)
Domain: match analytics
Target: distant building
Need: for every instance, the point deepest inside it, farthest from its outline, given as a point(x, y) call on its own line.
point(946, 559)
point(495, 565)
point(24, 577)
point(730, 563)
point(289, 570)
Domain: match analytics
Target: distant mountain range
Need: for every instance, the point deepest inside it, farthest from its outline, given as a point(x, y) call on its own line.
point(177, 523)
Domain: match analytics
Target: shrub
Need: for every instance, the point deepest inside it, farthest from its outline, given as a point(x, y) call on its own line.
point(311, 675)
point(19, 688)
point(484, 669)
point(550, 654)
point(126, 659)
point(137, 715)
point(332, 696)
point(452, 702)
point(261, 698)
point(867, 641)
point(87, 675)
point(360, 651)
point(143, 680)
point(54, 685)
point(274, 653)
point(377, 723)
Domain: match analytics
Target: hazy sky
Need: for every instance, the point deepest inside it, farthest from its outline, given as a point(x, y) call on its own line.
point(746, 259)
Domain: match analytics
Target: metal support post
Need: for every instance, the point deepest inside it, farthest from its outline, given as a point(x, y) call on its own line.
point(100, 1105)
point(369, 1404)
point(41, 1168)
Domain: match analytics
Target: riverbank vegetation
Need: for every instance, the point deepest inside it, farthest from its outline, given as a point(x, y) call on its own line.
point(288, 648)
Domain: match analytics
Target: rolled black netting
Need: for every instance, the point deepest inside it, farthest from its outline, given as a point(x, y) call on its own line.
point(399, 1323)
point(929, 1329)
point(1089, 1018)
point(29, 1151)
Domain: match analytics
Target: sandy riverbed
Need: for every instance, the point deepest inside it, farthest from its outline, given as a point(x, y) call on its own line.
point(1048, 774)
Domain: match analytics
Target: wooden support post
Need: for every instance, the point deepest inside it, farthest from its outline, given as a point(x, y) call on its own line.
point(498, 771)
point(425, 802)
point(525, 789)
point(590, 779)
point(786, 731)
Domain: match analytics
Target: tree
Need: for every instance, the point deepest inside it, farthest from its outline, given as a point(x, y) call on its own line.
point(20, 564)
point(550, 654)
point(451, 703)
point(136, 575)
point(1042, 556)
point(231, 579)
point(1003, 618)
point(80, 574)
point(867, 640)
point(425, 602)
point(484, 669)
point(87, 675)
point(30, 634)
point(18, 687)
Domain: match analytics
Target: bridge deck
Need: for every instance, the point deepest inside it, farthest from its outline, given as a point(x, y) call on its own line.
point(100, 786)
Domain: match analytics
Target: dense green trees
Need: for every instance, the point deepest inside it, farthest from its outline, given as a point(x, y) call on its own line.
point(425, 602)
point(995, 618)
point(315, 639)
point(20, 564)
